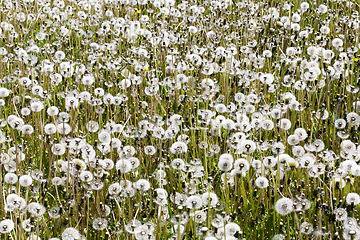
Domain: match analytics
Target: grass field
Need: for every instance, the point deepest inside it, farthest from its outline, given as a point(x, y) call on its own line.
point(164, 119)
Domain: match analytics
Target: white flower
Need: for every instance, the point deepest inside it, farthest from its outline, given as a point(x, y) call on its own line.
point(267, 54)
point(6, 226)
point(150, 150)
point(248, 146)
point(15, 202)
point(26, 224)
point(306, 228)
point(71, 102)
point(262, 182)
point(301, 134)
point(192, 29)
point(348, 146)
point(225, 162)
point(4, 92)
point(92, 126)
point(87, 80)
point(353, 198)
point(114, 189)
point(59, 55)
point(178, 164)
point(293, 139)
point(70, 234)
point(36, 106)
point(15, 122)
point(296, 17)
point(63, 128)
point(86, 176)
point(267, 125)
point(100, 224)
point(178, 147)
point(194, 202)
point(27, 129)
point(221, 108)
point(340, 214)
point(36, 209)
point(50, 129)
point(284, 206)
point(209, 198)
point(337, 42)
point(325, 30)
point(25, 111)
point(134, 162)
point(304, 6)
point(104, 137)
point(340, 123)
point(199, 216)
point(37, 90)
point(58, 149)
point(142, 185)
point(242, 165)
point(25, 180)
point(11, 178)
point(322, 8)
point(52, 111)
point(353, 119)
point(267, 78)
point(285, 124)
point(56, 181)
point(123, 165)
point(231, 229)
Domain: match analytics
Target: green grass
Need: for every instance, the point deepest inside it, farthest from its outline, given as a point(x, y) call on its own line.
point(159, 97)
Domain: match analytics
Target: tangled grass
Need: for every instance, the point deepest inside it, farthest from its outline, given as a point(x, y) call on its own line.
point(164, 119)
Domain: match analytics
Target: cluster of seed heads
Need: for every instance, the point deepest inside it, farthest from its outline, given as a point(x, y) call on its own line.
point(164, 119)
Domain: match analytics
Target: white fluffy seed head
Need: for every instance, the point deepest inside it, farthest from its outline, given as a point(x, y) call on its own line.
point(353, 198)
point(11, 178)
point(6, 226)
point(284, 206)
point(262, 182)
point(4, 92)
point(25, 180)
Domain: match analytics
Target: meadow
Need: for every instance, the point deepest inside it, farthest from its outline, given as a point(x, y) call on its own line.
point(182, 120)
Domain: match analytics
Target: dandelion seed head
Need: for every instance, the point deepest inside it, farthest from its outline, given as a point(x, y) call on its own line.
point(353, 198)
point(70, 234)
point(6, 226)
point(25, 180)
point(284, 206)
point(262, 182)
